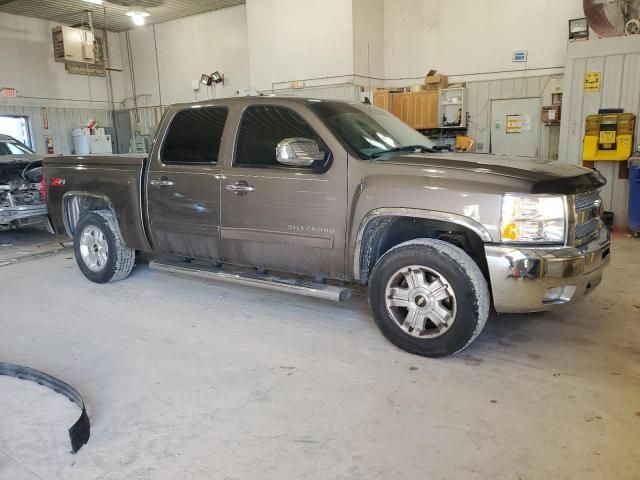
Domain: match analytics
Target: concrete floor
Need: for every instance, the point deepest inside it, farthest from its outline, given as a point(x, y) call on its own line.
point(186, 379)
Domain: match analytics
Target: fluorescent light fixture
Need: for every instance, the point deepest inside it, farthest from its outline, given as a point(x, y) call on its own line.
point(138, 16)
point(95, 2)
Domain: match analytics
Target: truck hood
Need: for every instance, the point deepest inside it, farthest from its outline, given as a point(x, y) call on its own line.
point(546, 176)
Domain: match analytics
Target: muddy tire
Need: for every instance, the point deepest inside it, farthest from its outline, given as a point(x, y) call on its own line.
point(429, 297)
point(100, 250)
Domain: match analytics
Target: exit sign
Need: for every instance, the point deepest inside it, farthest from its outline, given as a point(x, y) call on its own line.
point(9, 92)
point(519, 56)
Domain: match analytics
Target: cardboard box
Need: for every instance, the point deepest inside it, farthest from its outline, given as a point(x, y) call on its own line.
point(435, 80)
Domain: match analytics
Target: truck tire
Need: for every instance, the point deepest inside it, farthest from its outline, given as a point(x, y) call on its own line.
point(429, 297)
point(100, 250)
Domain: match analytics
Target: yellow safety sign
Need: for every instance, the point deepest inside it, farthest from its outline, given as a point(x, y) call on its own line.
point(592, 82)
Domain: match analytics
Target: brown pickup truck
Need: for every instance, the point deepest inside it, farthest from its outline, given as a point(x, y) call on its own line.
point(308, 196)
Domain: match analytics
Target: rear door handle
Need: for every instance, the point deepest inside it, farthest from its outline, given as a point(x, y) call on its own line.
point(161, 182)
point(240, 188)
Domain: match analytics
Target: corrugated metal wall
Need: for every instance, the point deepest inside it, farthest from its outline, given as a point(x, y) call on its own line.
point(61, 122)
point(479, 97)
point(618, 60)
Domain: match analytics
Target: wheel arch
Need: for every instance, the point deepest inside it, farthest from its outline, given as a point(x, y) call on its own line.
point(76, 204)
point(384, 228)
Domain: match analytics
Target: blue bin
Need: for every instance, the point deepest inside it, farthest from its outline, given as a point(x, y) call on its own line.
point(633, 215)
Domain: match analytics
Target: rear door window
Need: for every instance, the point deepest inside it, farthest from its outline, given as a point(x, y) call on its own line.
point(194, 136)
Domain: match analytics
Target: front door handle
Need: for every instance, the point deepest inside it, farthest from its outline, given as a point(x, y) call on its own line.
point(240, 188)
point(161, 182)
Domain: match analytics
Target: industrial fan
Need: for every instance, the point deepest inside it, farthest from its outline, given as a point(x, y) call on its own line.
point(612, 18)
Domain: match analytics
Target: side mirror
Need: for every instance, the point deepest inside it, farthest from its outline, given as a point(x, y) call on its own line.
point(298, 152)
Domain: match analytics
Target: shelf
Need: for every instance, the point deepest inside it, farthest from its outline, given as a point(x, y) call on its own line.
point(451, 103)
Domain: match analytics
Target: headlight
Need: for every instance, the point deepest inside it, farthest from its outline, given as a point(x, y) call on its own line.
point(533, 218)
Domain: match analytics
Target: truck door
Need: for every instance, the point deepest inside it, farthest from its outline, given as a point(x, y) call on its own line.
point(183, 184)
point(280, 217)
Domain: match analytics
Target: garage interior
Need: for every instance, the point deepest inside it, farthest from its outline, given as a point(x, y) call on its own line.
point(190, 378)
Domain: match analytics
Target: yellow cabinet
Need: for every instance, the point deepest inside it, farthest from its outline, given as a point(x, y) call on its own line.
point(424, 109)
point(401, 106)
point(382, 99)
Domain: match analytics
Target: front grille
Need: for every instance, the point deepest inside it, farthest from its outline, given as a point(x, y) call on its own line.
point(588, 207)
point(587, 200)
point(586, 229)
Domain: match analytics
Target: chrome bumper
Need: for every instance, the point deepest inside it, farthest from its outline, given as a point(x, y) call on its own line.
point(535, 279)
point(9, 215)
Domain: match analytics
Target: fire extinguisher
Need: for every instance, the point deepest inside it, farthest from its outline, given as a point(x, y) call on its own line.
point(49, 144)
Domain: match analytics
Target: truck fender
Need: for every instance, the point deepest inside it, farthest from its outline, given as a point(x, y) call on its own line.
point(375, 221)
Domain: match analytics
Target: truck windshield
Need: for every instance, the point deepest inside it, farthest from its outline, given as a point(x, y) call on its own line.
point(369, 131)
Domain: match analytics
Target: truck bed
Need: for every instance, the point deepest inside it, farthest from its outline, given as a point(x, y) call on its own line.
point(116, 180)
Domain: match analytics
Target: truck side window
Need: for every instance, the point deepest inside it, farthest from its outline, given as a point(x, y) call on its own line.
point(195, 135)
point(262, 128)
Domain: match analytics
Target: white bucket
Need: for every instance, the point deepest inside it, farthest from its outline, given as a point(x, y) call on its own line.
point(80, 141)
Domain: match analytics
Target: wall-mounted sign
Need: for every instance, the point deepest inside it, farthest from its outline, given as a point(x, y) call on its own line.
point(9, 92)
point(519, 56)
point(514, 123)
point(592, 82)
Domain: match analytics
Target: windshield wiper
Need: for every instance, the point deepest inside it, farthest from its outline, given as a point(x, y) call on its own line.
point(407, 148)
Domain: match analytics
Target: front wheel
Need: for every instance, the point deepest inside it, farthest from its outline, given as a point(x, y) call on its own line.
point(100, 250)
point(429, 297)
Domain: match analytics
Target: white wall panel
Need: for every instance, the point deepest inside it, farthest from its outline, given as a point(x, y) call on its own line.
point(480, 94)
point(27, 64)
point(474, 36)
point(298, 39)
point(619, 61)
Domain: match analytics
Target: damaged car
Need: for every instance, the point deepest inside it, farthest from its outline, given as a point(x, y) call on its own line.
point(21, 200)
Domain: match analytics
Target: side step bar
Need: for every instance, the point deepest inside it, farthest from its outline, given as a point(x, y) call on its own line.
point(271, 282)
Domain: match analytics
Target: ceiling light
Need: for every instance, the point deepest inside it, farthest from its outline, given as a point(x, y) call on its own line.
point(138, 16)
point(95, 2)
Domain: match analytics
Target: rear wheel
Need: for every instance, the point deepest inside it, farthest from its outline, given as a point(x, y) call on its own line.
point(100, 250)
point(429, 297)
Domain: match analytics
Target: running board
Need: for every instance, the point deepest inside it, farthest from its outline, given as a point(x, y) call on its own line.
point(268, 281)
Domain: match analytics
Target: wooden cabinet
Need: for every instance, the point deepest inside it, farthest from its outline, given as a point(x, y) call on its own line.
point(419, 110)
point(382, 99)
point(424, 109)
point(401, 106)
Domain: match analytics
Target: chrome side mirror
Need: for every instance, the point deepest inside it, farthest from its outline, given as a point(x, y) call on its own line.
point(298, 152)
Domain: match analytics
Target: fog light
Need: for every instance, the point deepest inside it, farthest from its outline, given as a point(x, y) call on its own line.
point(561, 294)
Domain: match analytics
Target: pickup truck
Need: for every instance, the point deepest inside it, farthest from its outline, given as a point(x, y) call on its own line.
point(310, 196)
